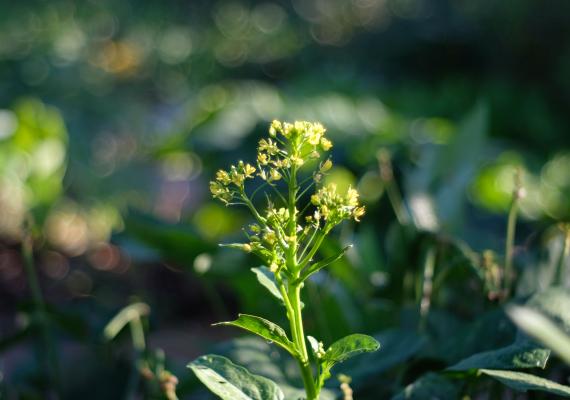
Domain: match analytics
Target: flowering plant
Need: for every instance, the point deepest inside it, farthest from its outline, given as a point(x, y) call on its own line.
point(286, 237)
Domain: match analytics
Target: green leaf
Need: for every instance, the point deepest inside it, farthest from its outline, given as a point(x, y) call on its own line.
point(524, 382)
point(521, 354)
point(430, 386)
point(398, 346)
point(264, 328)
point(350, 346)
point(232, 382)
point(542, 329)
point(554, 303)
point(316, 267)
point(260, 358)
point(267, 279)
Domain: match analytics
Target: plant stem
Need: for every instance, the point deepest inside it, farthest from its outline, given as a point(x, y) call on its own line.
point(427, 286)
point(394, 196)
point(49, 355)
point(509, 245)
point(563, 255)
point(294, 294)
point(518, 193)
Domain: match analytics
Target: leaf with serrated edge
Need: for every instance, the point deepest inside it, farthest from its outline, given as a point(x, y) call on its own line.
point(264, 328)
point(233, 382)
point(350, 346)
point(265, 277)
point(524, 382)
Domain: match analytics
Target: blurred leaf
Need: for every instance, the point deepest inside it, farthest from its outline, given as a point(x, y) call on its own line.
point(554, 303)
point(267, 279)
point(525, 382)
point(232, 382)
point(397, 347)
point(124, 317)
point(542, 329)
point(518, 355)
point(174, 242)
point(446, 171)
point(8, 341)
point(264, 328)
point(453, 341)
point(430, 386)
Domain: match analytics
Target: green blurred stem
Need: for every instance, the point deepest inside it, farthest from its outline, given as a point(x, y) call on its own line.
point(563, 256)
point(427, 286)
point(509, 245)
point(397, 202)
point(49, 355)
point(139, 344)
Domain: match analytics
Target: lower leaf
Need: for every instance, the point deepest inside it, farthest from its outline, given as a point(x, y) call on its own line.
point(233, 382)
point(523, 382)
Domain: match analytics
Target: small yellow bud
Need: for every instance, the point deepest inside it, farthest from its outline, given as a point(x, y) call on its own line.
point(327, 165)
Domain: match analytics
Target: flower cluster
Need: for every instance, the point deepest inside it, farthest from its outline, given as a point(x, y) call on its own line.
point(289, 145)
point(277, 233)
point(334, 207)
point(230, 184)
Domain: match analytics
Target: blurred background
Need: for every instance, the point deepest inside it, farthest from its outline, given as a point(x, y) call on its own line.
point(114, 115)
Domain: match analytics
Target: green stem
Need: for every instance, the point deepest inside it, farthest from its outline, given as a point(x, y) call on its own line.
point(509, 245)
point(49, 356)
point(563, 255)
point(294, 294)
point(397, 202)
point(427, 286)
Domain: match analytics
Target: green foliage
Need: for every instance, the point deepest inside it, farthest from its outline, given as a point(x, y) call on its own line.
point(523, 382)
point(430, 386)
point(348, 347)
point(232, 382)
point(267, 279)
point(264, 328)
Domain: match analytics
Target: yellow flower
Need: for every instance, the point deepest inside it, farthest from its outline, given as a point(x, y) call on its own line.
point(223, 177)
point(262, 159)
point(326, 144)
point(274, 175)
point(351, 197)
point(248, 170)
point(357, 213)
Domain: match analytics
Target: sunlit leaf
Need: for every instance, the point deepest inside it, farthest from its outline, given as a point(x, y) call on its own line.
point(264, 328)
point(524, 382)
point(267, 279)
point(233, 382)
